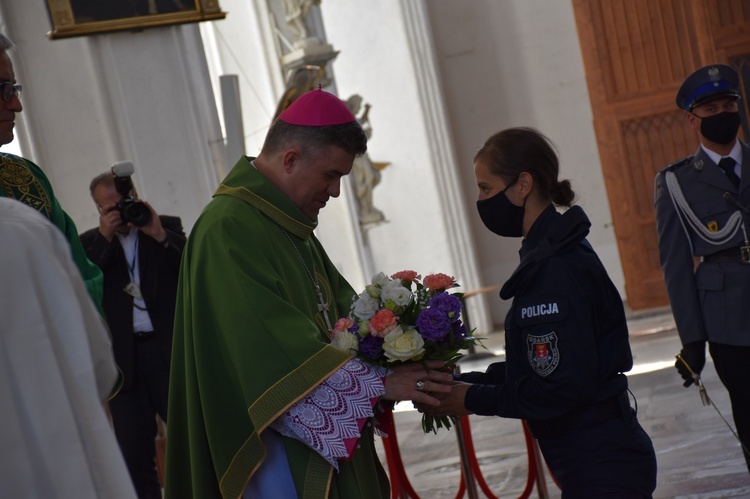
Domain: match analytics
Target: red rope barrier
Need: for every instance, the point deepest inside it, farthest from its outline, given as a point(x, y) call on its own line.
point(401, 488)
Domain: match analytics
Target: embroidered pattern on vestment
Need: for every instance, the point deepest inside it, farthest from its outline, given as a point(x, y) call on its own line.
point(328, 415)
point(19, 183)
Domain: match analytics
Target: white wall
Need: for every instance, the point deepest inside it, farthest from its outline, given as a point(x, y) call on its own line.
point(242, 44)
point(375, 64)
point(387, 56)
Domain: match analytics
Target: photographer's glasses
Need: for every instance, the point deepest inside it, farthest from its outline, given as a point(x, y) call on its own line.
point(8, 89)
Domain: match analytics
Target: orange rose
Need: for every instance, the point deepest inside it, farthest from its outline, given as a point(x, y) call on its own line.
point(383, 322)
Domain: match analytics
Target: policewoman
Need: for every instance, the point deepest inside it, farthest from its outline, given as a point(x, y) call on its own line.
point(566, 336)
point(701, 213)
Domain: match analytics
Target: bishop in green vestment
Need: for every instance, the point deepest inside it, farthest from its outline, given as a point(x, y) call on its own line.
point(251, 352)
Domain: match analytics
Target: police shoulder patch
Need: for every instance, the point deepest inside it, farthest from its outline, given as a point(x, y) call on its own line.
point(543, 354)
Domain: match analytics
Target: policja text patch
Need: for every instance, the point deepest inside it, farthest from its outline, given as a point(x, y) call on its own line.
point(540, 309)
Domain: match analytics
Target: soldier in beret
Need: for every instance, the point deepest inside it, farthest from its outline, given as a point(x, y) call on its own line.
point(702, 213)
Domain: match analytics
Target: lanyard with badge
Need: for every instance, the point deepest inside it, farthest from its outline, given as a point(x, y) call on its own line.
point(133, 288)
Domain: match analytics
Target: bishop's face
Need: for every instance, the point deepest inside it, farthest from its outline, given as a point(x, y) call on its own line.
point(8, 109)
point(315, 178)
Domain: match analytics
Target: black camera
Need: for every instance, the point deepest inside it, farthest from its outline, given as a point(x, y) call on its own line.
point(131, 210)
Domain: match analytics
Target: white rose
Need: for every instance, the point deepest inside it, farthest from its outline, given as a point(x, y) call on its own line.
point(403, 345)
point(366, 306)
point(346, 341)
point(396, 292)
point(380, 279)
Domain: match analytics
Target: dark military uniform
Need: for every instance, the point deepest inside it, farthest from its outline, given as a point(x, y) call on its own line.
point(698, 217)
point(567, 348)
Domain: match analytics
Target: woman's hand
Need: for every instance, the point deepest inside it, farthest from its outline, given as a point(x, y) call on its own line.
point(402, 384)
point(451, 402)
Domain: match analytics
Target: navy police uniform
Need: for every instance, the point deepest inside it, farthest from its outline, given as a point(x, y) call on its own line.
point(697, 217)
point(567, 349)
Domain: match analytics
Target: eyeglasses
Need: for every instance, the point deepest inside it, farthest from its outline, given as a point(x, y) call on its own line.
point(8, 89)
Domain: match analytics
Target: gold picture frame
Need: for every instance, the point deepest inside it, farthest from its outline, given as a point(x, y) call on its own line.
point(88, 17)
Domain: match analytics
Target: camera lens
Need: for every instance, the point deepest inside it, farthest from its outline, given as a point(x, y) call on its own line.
point(136, 213)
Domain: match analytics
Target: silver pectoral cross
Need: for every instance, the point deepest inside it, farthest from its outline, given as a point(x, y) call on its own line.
point(323, 308)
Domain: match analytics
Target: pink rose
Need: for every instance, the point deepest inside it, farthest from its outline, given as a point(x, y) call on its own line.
point(383, 322)
point(438, 282)
point(406, 275)
point(343, 324)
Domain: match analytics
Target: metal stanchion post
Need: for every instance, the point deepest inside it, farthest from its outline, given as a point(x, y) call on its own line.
point(471, 484)
point(541, 483)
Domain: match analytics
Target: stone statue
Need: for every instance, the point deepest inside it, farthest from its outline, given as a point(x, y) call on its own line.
point(296, 20)
point(365, 176)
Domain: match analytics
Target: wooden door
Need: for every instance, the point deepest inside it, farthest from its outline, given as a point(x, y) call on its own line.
point(636, 53)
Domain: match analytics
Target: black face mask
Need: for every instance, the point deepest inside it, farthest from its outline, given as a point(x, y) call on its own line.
point(721, 128)
point(500, 215)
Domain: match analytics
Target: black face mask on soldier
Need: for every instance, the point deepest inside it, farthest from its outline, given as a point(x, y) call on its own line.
point(721, 128)
point(500, 215)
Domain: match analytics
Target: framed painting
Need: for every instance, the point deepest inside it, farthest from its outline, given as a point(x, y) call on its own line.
point(88, 17)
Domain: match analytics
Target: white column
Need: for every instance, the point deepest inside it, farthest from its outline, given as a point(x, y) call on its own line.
point(443, 157)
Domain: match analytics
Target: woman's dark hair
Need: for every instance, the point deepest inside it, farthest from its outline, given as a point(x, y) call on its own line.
point(311, 139)
point(515, 150)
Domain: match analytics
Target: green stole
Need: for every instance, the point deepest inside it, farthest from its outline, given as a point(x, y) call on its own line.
point(23, 180)
point(249, 341)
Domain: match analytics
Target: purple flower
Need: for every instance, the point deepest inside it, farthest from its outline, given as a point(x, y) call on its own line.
point(433, 324)
point(447, 303)
point(371, 347)
point(459, 330)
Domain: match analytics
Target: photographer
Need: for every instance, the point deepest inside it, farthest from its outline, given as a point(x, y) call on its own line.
point(139, 253)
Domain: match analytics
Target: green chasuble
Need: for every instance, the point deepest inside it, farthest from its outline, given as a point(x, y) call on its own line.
point(23, 180)
point(249, 341)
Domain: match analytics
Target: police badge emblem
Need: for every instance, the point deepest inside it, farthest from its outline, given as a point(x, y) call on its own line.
point(543, 353)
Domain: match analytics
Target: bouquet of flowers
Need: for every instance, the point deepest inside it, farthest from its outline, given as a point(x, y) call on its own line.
point(406, 319)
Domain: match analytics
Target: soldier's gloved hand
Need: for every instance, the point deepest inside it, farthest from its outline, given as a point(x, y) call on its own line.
point(695, 355)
